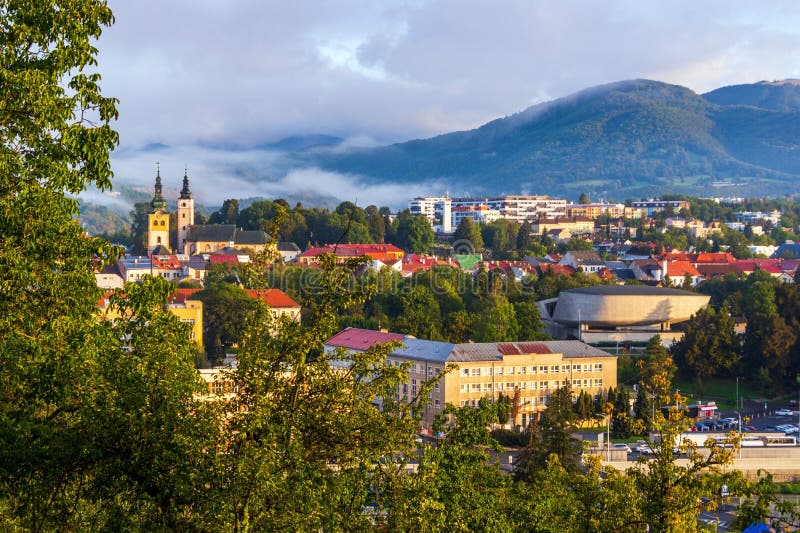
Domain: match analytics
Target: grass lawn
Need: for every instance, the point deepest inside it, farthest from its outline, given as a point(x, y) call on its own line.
point(721, 390)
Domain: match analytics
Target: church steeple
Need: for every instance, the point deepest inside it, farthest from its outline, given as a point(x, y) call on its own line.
point(185, 192)
point(158, 202)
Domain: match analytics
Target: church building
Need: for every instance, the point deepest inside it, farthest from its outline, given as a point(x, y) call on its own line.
point(195, 238)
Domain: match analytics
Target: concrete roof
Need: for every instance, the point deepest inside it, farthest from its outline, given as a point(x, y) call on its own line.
point(624, 290)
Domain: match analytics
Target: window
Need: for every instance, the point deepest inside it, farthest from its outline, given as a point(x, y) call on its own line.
point(476, 387)
point(464, 387)
point(533, 370)
point(576, 383)
point(554, 369)
point(543, 385)
point(510, 370)
point(587, 367)
point(430, 372)
point(476, 372)
point(487, 386)
point(499, 371)
point(533, 400)
point(465, 372)
point(437, 403)
point(521, 370)
point(576, 368)
point(565, 369)
point(598, 367)
point(532, 385)
point(543, 370)
point(522, 385)
point(414, 367)
point(598, 382)
point(498, 386)
point(587, 383)
point(464, 403)
point(486, 371)
point(436, 386)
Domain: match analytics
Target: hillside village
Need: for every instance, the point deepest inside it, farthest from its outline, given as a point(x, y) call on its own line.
point(593, 244)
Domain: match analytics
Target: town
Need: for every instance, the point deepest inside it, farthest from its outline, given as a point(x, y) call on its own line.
point(286, 356)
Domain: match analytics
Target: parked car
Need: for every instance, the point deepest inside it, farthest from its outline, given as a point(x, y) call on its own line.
point(749, 428)
point(645, 449)
point(784, 412)
point(621, 446)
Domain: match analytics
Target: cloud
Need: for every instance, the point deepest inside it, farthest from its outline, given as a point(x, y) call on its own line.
point(216, 174)
point(211, 73)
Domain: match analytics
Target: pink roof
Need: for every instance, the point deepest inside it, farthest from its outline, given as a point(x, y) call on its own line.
point(362, 339)
point(217, 259)
point(371, 250)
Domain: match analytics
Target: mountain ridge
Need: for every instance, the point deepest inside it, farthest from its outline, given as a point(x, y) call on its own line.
point(622, 139)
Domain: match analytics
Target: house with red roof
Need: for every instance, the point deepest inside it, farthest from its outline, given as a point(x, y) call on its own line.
point(385, 253)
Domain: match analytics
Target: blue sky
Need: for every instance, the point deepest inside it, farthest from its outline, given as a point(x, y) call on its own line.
point(202, 76)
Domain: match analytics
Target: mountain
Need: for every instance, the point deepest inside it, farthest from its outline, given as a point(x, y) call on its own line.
point(783, 96)
point(302, 142)
point(621, 140)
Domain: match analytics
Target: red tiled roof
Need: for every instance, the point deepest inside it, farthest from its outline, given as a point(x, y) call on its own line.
point(181, 295)
point(519, 348)
point(714, 257)
point(362, 339)
point(681, 268)
point(274, 298)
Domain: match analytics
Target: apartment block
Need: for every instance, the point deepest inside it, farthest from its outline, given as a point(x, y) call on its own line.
point(531, 371)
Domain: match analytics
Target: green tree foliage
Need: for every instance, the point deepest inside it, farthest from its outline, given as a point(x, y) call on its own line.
point(551, 435)
point(227, 214)
point(225, 307)
point(709, 346)
point(98, 427)
point(656, 368)
point(413, 233)
point(468, 233)
point(768, 339)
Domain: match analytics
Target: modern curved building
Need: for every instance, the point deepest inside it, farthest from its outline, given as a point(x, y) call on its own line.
point(618, 308)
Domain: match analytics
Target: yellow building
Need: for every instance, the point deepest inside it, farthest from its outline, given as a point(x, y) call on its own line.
point(157, 219)
point(189, 311)
point(532, 371)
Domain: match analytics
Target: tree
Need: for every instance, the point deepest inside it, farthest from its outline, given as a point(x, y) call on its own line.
point(656, 368)
point(227, 214)
point(139, 224)
point(552, 434)
point(584, 199)
point(414, 234)
point(709, 346)
point(375, 223)
point(98, 427)
point(468, 235)
point(225, 308)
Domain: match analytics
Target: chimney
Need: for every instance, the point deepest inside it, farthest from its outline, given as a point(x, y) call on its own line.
point(663, 269)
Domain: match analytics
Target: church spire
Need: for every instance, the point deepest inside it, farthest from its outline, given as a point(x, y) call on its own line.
point(158, 200)
point(185, 192)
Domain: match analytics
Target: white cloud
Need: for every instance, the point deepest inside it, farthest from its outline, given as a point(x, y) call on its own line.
point(241, 73)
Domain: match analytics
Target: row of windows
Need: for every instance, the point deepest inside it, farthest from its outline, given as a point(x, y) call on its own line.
point(542, 369)
point(416, 369)
point(530, 385)
point(531, 400)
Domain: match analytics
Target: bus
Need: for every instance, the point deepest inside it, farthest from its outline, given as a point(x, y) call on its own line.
point(780, 440)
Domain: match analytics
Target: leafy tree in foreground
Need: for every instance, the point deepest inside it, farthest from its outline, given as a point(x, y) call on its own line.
point(98, 427)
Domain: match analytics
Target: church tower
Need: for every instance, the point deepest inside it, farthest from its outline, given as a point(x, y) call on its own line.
point(157, 219)
point(185, 213)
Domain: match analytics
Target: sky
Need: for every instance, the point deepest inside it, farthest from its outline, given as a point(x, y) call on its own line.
point(212, 79)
